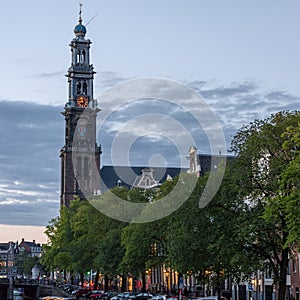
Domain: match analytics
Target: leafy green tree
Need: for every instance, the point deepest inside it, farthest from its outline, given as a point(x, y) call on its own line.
point(28, 264)
point(144, 243)
point(19, 260)
point(110, 252)
point(58, 253)
point(201, 240)
point(186, 239)
point(259, 176)
point(290, 180)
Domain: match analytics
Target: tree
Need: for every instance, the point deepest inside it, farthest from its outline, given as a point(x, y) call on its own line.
point(81, 239)
point(110, 252)
point(202, 240)
point(291, 180)
point(258, 178)
point(28, 264)
point(59, 252)
point(186, 240)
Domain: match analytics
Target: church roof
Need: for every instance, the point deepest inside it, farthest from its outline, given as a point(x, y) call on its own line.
point(110, 175)
point(205, 161)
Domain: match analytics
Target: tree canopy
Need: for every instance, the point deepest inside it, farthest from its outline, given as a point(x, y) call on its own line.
point(251, 223)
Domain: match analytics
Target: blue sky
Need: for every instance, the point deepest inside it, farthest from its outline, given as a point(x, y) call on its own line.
point(241, 56)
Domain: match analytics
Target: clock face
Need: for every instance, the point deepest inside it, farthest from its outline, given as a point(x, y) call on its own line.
point(82, 101)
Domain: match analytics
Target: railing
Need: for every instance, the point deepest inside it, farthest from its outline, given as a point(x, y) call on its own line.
point(19, 282)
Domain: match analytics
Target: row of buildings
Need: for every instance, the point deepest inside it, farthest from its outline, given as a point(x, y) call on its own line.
point(12, 254)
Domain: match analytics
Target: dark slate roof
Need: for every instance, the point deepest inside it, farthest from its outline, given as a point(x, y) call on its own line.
point(4, 246)
point(32, 244)
point(127, 175)
point(205, 161)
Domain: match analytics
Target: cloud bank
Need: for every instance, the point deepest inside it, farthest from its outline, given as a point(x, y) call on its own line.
point(32, 135)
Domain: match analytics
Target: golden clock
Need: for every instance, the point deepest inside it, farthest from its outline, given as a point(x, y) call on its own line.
point(82, 101)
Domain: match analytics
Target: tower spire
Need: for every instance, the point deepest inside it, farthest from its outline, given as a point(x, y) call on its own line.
point(80, 11)
point(80, 30)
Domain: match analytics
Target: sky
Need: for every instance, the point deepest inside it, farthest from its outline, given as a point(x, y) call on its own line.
point(242, 57)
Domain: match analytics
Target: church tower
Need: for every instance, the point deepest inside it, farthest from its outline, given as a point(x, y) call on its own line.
point(80, 156)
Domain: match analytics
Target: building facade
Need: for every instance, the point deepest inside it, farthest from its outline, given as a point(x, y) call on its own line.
point(7, 257)
point(80, 155)
point(32, 248)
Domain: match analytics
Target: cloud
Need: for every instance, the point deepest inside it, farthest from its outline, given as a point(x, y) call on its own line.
point(46, 75)
point(32, 135)
point(30, 140)
point(11, 201)
point(109, 79)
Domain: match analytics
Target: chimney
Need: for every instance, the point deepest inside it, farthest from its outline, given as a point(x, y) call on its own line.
point(34, 241)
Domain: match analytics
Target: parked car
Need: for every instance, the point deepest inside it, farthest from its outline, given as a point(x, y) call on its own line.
point(97, 296)
point(81, 291)
point(144, 296)
point(210, 298)
point(160, 297)
point(121, 296)
point(91, 293)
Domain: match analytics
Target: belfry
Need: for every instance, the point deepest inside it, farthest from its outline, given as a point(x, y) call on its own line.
point(80, 155)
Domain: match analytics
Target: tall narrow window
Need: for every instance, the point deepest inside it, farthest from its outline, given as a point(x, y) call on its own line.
point(79, 56)
point(83, 56)
point(78, 88)
point(294, 266)
point(85, 88)
point(147, 182)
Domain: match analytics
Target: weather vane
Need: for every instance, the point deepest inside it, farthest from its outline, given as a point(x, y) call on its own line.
point(80, 11)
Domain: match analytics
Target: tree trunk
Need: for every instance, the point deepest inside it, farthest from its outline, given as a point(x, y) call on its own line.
point(72, 277)
point(219, 289)
point(105, 283)
point(283, 272)
point(81, 278)
point(143, 283)
point(96, 280)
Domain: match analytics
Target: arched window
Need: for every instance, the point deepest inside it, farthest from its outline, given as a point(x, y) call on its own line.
point(83, 56)
point(147, 182)
point(78, 56)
